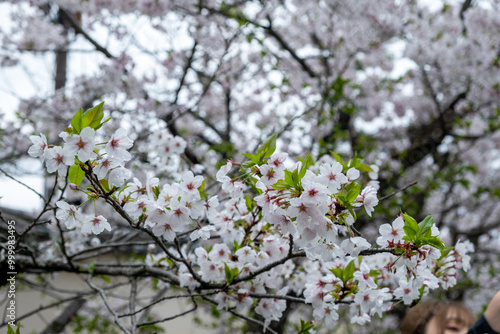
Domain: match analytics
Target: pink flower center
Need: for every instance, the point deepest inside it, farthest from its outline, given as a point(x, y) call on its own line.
point(59, 159)
point(115, 143)
point(312, 192)
point(302, 208)
point(81, 144)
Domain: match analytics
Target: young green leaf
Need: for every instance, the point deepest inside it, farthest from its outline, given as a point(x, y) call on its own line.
point(349, 271)
point(434, 242)
point(77, 121)
point(92, 268)
point(249, 203)
point(339, 272)
point(353, 193)
point(93, 116)
point(425, 226)
point(411, 227)
point(105, 185)
point(306, 163)
point(76, 175)
point(102, 123)
point(268, 147)
point(229, 274)
point(281, 185)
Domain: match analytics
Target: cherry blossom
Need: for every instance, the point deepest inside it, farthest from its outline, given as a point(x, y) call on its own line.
point(105, 165)
point(38, 147)
point(391, 233)
point(56, 160)
point(95, 225)
point(69, 214)
point(368, 198)
point(81, 145)
point(202, 233)
point(118, 176)
point(331, 175)
point(191, 183)
point(118, 145)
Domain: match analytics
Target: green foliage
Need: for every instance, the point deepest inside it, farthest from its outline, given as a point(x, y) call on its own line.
point(231, 274)
point(201, 190)
point(76, 175)
point(92, 268)
point(151, 329)
point(263, 152)
point(305, 327)
point(91, 118)
point(95, 324)
point(345, 274)
point(11, 331)
point(421, 233)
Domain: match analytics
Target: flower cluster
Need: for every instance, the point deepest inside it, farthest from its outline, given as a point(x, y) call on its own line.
point(243, 247)
point(80, 149)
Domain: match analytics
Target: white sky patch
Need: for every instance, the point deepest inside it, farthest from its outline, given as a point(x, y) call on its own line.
point(15, 196)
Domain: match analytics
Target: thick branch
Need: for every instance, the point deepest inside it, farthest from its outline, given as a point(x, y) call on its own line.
point(65, 15)
point(58, 325)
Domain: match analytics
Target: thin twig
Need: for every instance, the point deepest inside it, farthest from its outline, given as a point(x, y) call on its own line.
point(244, 317)
point(23, 184)
point(195, 307)
point(106, 303)
point(398, 191)
point(159, 300)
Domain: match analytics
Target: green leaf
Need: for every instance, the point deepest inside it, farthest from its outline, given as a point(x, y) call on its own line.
point(410, 233)
point(229, 274)
point(337, 157)
point(105, 121)
point(77, 121)
point(411, 227)
point(105, 185)
point(76, 174)
point(237, 246)
point(338, 272)
point(93, 116)
point(106, 279)
point(434, 242)
point(281, 185)
point(268, 147)
point(156, 191)
point(295, 178)
point(305, 327)
point(353, 193)
point(234, 272)
point(247, 164)
point(364, 168)
point(249, 203)
point(289, 178)
point(425, 226)
point(249, 155)
point(11, 331)
point(92, 268)
point(349, 271)
point(306, 163)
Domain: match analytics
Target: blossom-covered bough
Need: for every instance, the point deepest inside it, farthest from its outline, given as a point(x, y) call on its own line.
point(411, 86)
point(277, 232)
